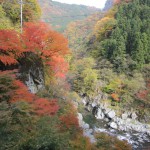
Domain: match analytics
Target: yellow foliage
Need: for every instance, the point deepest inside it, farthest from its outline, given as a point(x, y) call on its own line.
point(103, 26)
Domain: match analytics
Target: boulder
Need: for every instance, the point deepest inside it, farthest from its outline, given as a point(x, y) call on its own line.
point(86, 126)
point(113, 125)
point(106, 119)
point(111, 114)
point(99, 114)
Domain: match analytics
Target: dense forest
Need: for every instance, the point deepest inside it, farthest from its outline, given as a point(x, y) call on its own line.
point(117, 53)
point(45, 75)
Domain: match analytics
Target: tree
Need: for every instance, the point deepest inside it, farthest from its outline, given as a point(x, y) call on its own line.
point(5, 23)
point(45, 107)
point(31, 10)
point(10, 47)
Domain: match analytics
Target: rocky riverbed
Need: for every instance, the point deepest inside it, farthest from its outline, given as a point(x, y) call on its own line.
point(124, 127)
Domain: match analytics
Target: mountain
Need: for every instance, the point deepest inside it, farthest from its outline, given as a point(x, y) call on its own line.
point(108, 5)
point(59, 15)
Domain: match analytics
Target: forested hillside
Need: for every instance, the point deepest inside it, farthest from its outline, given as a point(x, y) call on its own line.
point(128, 41)
point(78, 33)
point(59, 15)
point(111, 69)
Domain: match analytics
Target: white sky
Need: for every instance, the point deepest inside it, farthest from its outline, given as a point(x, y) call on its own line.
point(95, 3)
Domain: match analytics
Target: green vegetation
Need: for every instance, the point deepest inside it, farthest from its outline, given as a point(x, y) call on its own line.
point(10, 13)
point(125, 43)
point(120, 48)
point(105, 141)
point(59, 15)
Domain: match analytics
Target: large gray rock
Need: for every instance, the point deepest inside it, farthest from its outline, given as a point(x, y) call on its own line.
point(113, 125)
point(111, 114)
point(33, 76)
point(86, 126)
point(99, 114)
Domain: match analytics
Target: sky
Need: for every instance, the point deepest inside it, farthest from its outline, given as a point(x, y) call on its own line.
point(95, 3)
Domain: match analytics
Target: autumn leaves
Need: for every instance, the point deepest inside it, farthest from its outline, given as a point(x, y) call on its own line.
point(39, 39)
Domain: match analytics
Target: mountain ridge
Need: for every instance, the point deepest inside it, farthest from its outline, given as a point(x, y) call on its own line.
point(59, 15)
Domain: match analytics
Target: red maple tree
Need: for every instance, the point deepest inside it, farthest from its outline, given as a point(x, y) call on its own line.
point(10, 47)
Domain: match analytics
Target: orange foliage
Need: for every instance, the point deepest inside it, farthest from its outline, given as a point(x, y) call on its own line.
point(45, 107)
point(142, 94)
point(69, 121)
point(40, 39)
point(15, 91)
point(21, 92)
point(115, 97)
point(10, 47)
point(59, 66)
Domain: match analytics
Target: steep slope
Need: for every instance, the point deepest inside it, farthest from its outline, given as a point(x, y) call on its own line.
point(120, 48)
point(117, 80)
point(60, 14)
point(79, 32)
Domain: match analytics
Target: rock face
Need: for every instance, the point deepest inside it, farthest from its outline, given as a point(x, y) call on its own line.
point(35, 80)
point(32, 73)
point(99, 114)
point(126, 122)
